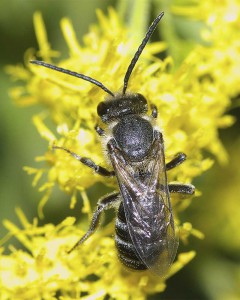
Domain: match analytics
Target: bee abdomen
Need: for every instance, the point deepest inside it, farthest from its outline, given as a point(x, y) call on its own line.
point(126, 251)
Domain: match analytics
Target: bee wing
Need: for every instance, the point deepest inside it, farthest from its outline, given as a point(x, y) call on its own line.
point(148, 209)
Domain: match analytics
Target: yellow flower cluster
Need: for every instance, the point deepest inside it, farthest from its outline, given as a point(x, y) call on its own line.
point(191, 103)
point(46, 268)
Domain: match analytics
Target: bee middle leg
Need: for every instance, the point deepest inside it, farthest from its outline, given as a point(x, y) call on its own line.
point(177, 160)
point(180, 188)
point(105, 203)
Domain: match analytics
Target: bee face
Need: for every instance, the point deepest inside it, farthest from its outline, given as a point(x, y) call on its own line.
point(121, 105)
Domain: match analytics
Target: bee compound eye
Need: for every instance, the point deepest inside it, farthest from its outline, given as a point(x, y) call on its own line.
point(102, 109)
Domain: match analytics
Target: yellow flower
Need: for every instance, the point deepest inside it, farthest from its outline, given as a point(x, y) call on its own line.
point(46, 268)
point(191, 102)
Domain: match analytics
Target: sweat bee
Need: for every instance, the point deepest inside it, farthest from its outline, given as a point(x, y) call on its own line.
point(145, 237)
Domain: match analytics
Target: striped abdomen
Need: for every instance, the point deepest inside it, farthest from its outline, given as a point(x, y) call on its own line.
point(126, 251)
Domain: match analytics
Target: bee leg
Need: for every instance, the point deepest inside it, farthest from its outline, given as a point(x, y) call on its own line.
point(177, 160)
point(107, 202)
point(154, 111)
point(99, 130)
point(185, 189)
point(88, 162)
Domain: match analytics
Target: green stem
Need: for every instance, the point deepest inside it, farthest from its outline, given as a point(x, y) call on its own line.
point(136, 15)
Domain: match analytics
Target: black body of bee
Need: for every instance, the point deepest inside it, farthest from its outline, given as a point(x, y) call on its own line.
point(145, 233)
point(126, 250)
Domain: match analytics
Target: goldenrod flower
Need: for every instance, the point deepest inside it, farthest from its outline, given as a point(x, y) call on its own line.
point(46, 268)
point(191, 102)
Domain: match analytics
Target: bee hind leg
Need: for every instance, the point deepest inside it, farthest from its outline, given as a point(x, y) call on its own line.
point(107, 202)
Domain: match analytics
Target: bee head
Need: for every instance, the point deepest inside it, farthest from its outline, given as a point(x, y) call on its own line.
point(121, 105)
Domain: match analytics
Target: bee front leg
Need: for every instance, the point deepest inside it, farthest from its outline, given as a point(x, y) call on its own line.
point(107, 202)
point(154, 111)
point(99, 130)
point(88, 162)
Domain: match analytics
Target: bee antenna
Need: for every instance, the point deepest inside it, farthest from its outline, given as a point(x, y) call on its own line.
point(139, 50)
point(75, 74)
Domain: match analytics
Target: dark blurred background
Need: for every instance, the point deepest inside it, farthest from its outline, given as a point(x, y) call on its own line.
point(215, 272)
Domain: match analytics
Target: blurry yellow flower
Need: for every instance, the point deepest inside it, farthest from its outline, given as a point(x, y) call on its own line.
point(218, 62)
point(46, 268)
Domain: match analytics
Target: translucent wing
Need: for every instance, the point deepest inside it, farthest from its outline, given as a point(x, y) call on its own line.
point(147, 207)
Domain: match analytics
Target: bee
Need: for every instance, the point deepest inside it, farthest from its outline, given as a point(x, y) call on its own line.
point(146, 237)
